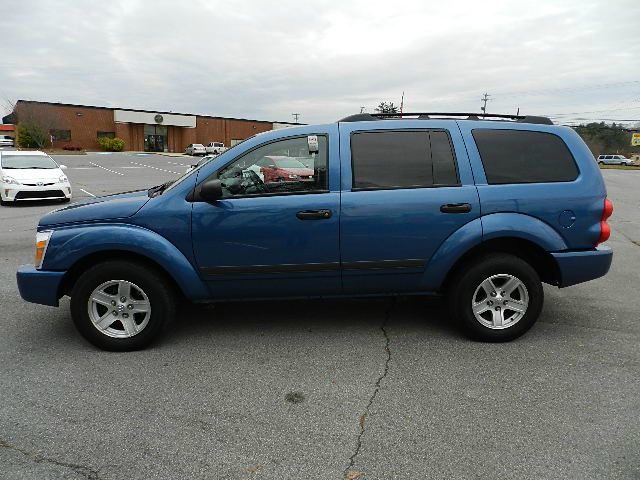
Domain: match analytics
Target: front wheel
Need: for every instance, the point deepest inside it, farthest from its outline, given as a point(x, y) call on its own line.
point(121, 305)
point(497, 298)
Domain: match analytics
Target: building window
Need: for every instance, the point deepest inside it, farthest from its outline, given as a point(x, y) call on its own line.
point(106, 135)
point(61, 135)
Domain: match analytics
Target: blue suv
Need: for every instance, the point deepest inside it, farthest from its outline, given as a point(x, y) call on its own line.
point(480, 210)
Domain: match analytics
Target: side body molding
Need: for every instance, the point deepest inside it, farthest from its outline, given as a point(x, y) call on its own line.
point(69, 245)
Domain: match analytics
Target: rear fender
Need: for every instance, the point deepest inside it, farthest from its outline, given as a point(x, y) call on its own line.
point(489, 227)
point(449, 252)
point(522, 226)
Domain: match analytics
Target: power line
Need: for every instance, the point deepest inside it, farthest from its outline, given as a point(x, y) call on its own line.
point(570, 89)
point(593, 111)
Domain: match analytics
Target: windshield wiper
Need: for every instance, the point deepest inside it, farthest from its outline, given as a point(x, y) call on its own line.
point(158, 189)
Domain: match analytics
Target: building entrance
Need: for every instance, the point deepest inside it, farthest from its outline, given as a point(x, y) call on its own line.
point(155, 138)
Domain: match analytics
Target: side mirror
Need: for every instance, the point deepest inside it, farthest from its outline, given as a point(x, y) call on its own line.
point(211, 190)
point(63, 167)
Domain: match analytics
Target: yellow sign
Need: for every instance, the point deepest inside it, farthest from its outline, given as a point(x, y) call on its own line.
point(635, 139)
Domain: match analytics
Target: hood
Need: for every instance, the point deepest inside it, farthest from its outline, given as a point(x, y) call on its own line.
point(33, 174)
point(121, 205)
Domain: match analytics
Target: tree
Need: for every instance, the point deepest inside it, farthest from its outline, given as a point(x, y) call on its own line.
point(602, 138)
point(385, 107)
point(31, 135)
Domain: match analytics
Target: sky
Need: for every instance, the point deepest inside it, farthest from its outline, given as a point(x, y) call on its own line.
point(575, 61)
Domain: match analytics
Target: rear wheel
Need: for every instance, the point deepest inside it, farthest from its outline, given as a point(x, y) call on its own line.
point(121, 305)
point(497, 298)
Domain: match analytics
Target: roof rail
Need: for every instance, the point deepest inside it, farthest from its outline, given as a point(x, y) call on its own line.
point(363, 117)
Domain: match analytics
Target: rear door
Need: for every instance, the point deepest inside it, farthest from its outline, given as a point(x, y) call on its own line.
point(407, 186)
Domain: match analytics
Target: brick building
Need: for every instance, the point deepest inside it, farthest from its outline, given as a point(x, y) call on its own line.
point(141, 130)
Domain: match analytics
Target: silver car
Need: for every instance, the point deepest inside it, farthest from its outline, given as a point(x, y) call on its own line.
point(195, 149)
point(614, 160)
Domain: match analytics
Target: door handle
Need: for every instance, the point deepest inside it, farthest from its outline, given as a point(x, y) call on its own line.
point(456, 208)
point(314, 214)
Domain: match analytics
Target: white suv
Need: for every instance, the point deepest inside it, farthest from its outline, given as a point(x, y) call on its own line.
point(614, 160)
point(28, 175)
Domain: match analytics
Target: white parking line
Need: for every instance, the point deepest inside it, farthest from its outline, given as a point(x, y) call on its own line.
point(129, 167)
point(104, 168)
point(88, 193)
point(156, 168)
point(175, 163)
point(81, 168)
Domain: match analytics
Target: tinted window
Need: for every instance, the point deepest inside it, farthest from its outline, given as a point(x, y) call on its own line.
point(515, 156)
point(281, 167)
point(410, 159)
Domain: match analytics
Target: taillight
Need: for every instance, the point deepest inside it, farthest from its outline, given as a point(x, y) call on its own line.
point(605, 229)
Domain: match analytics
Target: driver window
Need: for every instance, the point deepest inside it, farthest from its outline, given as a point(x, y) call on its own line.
point(285, 166)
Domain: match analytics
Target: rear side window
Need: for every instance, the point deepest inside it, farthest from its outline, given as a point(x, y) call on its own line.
point(402, 159)
point(516, 156)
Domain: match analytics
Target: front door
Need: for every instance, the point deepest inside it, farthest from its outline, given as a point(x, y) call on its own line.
point(275, 231)
point(404, 193)
point(154, 143)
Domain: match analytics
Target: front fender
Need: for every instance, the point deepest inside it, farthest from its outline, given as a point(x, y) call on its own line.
point(69, 245)
point(523, 226)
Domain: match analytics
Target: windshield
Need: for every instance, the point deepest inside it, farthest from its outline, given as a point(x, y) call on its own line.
point(28, 161)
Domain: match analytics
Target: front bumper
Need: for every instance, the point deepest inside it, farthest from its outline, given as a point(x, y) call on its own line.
point(10, 192)
point(582, 266)
point(39, 286)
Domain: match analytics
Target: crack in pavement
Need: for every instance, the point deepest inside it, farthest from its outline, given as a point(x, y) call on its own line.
point(349, 472)
point(86, 472)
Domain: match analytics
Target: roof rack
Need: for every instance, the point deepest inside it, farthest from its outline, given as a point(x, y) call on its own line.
point(363, 117)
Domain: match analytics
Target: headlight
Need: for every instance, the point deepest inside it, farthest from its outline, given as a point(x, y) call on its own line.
point(293, 176)
point(63, 178)
point(7, 179)
point(42, 241)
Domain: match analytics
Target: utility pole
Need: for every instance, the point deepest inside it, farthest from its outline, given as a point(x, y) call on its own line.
point(485, 98)
point(362, 109)
point(295, 117)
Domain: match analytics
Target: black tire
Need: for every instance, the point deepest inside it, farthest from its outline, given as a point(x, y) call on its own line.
point(65, 200)
point(600, 163)
point(468, 279)
point(161, 296)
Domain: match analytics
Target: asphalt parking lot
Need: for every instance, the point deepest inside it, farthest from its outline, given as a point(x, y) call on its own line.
point(373, 389)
